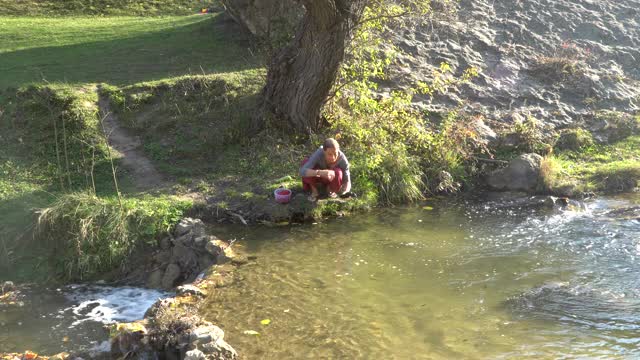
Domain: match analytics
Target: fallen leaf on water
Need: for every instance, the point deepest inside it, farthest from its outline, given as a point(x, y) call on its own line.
point(428, 208)
point(30, 355)
point(65, 339)
point(265, 322)
point(250, 332)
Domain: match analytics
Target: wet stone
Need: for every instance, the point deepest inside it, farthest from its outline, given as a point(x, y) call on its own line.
point(171, 275)
point(206, 334)
point(190, 290)
point(185, 225)
point(195, 355)
point(215, 247)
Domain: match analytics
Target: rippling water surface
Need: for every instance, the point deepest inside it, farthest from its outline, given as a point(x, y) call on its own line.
point(474, 281)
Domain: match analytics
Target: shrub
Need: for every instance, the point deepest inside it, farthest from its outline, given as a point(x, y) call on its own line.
point(574, 139)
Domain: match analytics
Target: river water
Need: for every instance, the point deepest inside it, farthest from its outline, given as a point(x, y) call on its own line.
point(75, 317)
point(467, 280)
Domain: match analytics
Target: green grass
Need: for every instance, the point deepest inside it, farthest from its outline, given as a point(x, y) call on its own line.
point(118, 50)
point(90, 234)
point(599, 168)
point(36, 123)
point(100, 7)
point(186, 122)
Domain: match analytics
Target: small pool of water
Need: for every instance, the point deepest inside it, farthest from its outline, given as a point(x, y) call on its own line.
point(70, 318)
point(459, 281)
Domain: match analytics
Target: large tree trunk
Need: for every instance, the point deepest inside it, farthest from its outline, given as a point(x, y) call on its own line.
point(301, 75)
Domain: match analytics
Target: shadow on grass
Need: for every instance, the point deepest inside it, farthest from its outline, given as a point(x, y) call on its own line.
point(210, 44)
point(19, 254)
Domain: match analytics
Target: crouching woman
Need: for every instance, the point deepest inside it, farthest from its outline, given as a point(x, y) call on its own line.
point(327, 168)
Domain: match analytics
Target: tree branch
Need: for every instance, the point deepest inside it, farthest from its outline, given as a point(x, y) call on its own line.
point(364, 21)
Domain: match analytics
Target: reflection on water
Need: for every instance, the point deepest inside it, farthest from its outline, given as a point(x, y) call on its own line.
point(469, 281)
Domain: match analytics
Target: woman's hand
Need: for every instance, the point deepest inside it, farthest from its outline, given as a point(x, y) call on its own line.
point(328, 175)
point(346, 187)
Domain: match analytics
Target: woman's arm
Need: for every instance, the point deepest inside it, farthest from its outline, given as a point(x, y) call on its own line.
point(346, 175)
point(307, 168)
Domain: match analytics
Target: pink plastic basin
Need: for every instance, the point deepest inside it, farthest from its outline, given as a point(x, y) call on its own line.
point(282, 195)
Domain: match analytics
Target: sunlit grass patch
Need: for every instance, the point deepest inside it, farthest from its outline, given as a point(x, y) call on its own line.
point(600, 168)
point(118, 50)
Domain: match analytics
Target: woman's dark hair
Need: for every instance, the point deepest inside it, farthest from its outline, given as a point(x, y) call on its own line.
point(330, 143)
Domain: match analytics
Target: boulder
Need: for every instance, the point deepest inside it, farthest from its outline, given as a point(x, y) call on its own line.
point(522, 174)
point(185, 257)
point(188, 225)
point(171, 275)
point(155, 279)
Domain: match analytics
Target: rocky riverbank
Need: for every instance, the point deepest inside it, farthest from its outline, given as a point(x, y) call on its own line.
point(190, 262)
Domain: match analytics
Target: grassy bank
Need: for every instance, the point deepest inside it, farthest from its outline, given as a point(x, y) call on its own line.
point(608, 168)
point(52, 148)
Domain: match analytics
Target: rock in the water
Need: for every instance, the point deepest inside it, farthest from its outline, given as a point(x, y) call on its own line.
point(210, 339)
point(206, 334)
point(220, 349)
point(155, 279)
point(552, 201)
point(129, 338)
point(215, 247)
point(190, 290)
point(195, 354)
point(522, 174)
point(171, 275)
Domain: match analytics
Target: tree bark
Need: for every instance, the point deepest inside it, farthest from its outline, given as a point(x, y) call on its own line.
point(301, 74)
